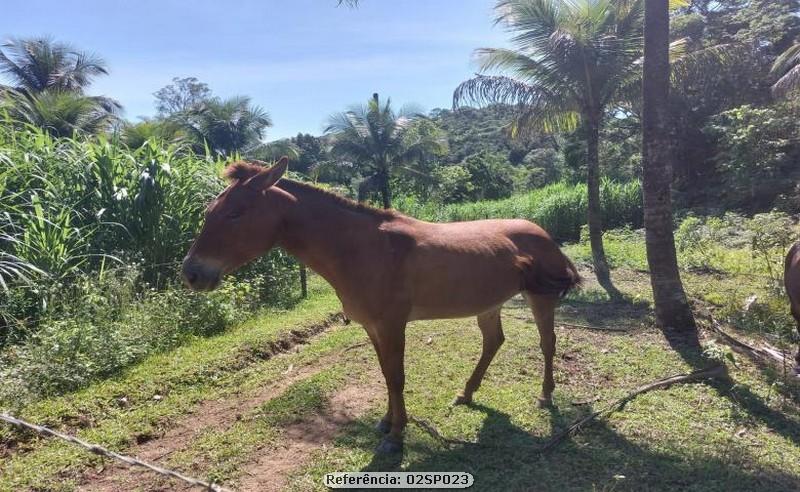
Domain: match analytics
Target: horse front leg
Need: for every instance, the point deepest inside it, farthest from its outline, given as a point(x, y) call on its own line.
point(385, 424)
point(391, 343)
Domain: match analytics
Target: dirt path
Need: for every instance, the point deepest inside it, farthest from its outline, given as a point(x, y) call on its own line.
point(209, 414)
point(270, 471)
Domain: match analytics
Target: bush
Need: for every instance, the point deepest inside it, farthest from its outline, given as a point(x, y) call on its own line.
point(706, 243)
point(757, 149)
point(454, 184)
point(109, 323)
point(91, 238)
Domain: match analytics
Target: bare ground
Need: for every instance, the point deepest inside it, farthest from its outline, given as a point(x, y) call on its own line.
point(269, 471)
point(221, 414)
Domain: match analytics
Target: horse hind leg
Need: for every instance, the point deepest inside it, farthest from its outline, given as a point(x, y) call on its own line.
point(492, 333)
point(544, 307)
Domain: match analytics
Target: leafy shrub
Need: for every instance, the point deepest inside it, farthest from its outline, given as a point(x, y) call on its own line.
point(109, 323)
point(757, 147)
point(454, 184)
point(760, 243)
point(91, 238)
point(492, 176)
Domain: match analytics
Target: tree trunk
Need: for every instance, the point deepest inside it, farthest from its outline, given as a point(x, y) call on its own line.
point(673, 312)
point(303, 281)
point(386, 192)
point(595, 221)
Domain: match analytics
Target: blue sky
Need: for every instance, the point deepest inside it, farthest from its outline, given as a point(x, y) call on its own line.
point(301, 60)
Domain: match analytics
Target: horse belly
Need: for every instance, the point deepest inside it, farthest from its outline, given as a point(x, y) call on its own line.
point(459, 291)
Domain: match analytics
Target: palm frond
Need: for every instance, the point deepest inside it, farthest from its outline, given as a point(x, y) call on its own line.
point(38, 64)
point(787, 69)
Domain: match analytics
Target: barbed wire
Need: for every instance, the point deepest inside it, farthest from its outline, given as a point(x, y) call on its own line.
point(99, 450)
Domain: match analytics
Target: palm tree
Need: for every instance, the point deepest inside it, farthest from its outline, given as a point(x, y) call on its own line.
point(62, 113)
point(378, 142)
point(572, 59)
point(48, 80)
point(39, 64)
point(787, 68)
point(226, 126)
point(672, 309)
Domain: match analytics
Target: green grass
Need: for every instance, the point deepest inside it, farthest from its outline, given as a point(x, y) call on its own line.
point(117, 411)
point(742, 435)
point(560, 208)
point(685, 437)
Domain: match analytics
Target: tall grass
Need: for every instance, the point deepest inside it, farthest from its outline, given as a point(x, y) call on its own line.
point(560, 208)
point(91, 237)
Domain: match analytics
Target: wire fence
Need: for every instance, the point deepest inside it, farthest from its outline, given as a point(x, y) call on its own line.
point(100, 450)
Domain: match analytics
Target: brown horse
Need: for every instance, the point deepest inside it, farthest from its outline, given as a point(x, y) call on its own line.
point(386, 268)
point(791, 279)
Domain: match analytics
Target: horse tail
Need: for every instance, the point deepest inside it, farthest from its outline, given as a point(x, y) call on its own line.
point(541, 280)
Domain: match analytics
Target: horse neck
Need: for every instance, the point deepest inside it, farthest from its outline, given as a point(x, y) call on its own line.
point(324, 232)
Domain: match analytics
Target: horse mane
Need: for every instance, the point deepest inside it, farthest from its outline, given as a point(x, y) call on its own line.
point(240, 171)
point(291, 185)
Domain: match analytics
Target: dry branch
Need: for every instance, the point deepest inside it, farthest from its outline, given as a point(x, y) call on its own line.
point(699, 375)
point(760, 352)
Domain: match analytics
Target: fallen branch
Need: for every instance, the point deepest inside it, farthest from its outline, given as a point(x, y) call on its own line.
point(576, 325)
point(590, 327)
point(700, 375)
point(354, 346)
point(764, 353)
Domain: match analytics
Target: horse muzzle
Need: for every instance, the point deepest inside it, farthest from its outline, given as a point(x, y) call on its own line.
point(199, 276)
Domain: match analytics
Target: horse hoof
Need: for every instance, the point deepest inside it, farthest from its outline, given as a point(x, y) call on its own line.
point(389, 445)
point(383, 426)
point(545, 402)
point(461, 400)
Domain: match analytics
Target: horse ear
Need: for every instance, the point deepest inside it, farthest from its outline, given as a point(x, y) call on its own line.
point(269, 177)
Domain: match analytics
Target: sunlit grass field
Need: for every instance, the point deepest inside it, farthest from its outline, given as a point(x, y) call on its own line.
point(741, 434)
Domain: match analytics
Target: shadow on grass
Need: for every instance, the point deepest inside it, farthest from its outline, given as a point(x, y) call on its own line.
point(593, 307)
point(688, 347)
point(506, 457)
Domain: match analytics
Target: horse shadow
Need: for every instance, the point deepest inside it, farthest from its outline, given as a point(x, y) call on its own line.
point(505, 456)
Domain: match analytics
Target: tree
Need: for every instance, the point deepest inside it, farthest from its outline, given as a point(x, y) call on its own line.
point(492, 175)
point(787, 71)
point(62, 113)
point(673, 312)
point(160, 129)
point(373, 137)
point(181, 95)
point(572, 59)
point(226, 126)
point(39, 64)
point(48, 80)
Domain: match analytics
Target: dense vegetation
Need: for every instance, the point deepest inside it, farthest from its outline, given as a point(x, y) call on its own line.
point(92, 204)
point(91, 238)
point(97, 334)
